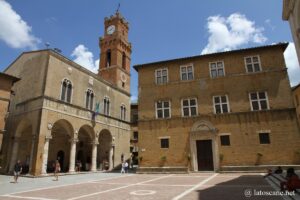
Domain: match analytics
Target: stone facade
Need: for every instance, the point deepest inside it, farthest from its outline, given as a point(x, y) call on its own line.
point(291, 13)
point(245, 128)
point(63, 111)
point(134, 139)
point(296, 97)
point(6, 83)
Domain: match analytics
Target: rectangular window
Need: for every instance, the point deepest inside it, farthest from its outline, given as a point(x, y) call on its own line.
point(189, 107)
point(221, 104)
point(163, 109)
point(259, 101)
point(164, 143)
point(252, 64)
point(161, 76)
point(187, 72)
point(225, 140)
point(217, 69)
point(264, 138)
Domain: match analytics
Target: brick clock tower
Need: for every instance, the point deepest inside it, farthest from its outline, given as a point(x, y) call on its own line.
point(115, 51)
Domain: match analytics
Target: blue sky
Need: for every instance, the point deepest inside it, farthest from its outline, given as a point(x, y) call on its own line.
point(158, 29)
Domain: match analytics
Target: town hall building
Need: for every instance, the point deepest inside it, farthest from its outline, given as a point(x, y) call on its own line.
point(62, 111)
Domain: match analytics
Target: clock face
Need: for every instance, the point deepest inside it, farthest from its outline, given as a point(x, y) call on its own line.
point(111, 29)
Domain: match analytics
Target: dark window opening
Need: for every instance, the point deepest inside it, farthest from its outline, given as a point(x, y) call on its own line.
point(264, 138)
point(135, 135)
point(225, 140)
point(164, 143)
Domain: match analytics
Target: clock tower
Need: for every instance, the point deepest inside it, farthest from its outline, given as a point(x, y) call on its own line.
point(115, 51)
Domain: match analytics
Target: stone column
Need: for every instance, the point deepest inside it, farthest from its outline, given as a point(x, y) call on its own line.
point(31, 153)
point(45, 154)
point(72, 155)
point(94, 156)
point(14, 154)
point(111, 154)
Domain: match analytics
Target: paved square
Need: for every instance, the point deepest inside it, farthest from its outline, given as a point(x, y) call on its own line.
point(203, 186)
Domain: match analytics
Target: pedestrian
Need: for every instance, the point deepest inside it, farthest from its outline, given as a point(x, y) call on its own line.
point(17, 171)
point(126, 167)
point(56, 170)
point(123, 168)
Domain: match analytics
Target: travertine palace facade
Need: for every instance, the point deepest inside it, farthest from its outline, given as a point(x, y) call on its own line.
point(217, 111)
point(63, 111)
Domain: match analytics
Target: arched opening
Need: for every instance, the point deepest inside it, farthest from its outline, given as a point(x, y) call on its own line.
point(61, 158)
point(59, 145)
point(108, 58)
point(23, 147)
point(124, 60)
point(66, 91)
point(105, 150)
point(84, 148)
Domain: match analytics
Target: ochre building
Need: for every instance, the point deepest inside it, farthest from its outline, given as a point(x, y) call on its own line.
point(291, 13)
point(134, 139)
point(63, 111)
point(6, 83)
point(217, 111)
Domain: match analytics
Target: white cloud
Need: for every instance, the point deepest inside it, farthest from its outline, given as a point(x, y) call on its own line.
point(269, 23)
point(292, 64)
point(14, 30)
point(85, 58)
point(134, 99)
point(231, 32)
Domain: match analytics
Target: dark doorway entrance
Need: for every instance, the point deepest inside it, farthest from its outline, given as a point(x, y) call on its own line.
point(204, 155)
point(61, 157)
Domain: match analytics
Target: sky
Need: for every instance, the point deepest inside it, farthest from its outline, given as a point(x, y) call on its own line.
point(159, 30)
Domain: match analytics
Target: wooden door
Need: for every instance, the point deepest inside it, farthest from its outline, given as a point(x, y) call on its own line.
point(205, 155)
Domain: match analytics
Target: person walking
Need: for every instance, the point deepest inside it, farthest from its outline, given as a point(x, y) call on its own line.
point(123, 168)
point(17, 171)
point(56, 170)
point(126, 167)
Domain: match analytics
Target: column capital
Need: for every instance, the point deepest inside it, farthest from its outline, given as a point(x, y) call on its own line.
point(49, 126)
point(73, 140)
point(48, 137)
point(95, 142)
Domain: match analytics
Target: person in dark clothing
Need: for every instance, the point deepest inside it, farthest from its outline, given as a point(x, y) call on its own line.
point(278, 170)
point(292, 181)
point(17, 170)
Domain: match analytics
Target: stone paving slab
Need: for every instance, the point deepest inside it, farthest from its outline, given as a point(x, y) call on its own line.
point(195, 186)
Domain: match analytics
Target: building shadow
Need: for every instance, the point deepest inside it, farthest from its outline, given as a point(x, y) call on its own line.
point(230, 188)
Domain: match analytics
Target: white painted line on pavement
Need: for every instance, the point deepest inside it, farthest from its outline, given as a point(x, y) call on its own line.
point(57, 186)
point(35, 198)
point(146, 184)
point(193, 188)
point(118, 188)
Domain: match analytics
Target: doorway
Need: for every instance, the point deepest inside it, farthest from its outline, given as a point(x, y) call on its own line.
point(205, 155)
point(61, 157)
